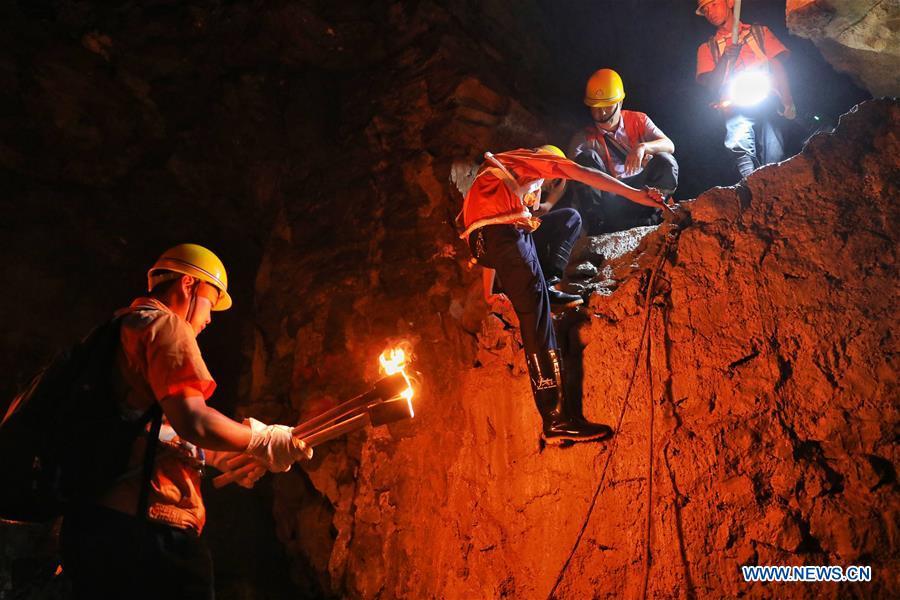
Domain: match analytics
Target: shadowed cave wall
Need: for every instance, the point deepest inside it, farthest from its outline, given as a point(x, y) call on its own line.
point(312, 146)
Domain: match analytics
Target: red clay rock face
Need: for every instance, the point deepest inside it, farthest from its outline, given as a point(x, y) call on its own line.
point(761, 432)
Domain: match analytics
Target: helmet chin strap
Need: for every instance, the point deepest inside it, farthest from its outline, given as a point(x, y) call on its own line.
point(610, 117)
point(193, 303)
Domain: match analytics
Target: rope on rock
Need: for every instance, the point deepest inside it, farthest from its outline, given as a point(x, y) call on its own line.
point(646, 579)
point(644, 340)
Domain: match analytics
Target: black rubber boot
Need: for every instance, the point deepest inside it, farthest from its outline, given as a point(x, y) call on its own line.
point(558, 298)
point(546, 372)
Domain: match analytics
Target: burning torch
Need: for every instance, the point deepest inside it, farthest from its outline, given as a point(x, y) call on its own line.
point(388, 401)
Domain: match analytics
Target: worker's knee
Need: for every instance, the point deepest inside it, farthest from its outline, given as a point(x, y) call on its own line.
point(667, 160)
point(569, 218)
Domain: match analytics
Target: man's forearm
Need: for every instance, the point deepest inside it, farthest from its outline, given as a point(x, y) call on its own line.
point(204, 426)
point(663, 144)
point(602, 181)
point(712, 80)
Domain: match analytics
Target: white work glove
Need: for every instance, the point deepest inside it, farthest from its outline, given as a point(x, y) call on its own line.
point(244, 469)
point(275, 446)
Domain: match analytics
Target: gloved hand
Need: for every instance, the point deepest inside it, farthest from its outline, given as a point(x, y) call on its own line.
point(275, 446)
point(731, 52)
point(244, 469)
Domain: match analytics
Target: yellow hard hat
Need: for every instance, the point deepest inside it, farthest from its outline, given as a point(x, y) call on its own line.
point(701, 4)
point(604, 88)
point(196, 261)
point(552, 150)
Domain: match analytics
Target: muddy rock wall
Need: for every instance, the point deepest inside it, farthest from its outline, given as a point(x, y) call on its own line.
point(763, 433)
point(318, 147)
point(370, 255)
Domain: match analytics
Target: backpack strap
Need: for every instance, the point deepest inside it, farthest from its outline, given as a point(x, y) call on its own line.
point(598, 142)
point(714, 49)
point(755, 38)
point(757, 41)
point(154, 414)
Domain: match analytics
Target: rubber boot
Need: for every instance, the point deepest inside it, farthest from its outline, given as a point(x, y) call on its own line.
point(545, 370)
point(562, 299)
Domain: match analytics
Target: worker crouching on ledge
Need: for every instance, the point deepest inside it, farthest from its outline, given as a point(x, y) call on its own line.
point(625, 144)
point(500, 230)
point(141, 537)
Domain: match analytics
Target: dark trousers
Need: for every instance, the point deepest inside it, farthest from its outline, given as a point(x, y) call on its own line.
point(108, 554)
point(512, 254)
point(605, 212)
point(555, 238)
point(754, 138)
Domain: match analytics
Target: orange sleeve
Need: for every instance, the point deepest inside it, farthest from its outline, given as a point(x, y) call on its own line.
point(705, 62)
point(174, 361)
point(529, 165)
point(774, 47)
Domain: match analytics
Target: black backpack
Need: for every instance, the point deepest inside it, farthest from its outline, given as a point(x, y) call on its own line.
point(63, 439)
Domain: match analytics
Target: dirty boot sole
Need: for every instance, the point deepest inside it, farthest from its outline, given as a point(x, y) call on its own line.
point(567, 305)
point(566, 440)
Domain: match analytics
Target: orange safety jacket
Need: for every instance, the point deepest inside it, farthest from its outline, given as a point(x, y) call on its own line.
point(500, 194)
point(635, 124)
point(159, 358)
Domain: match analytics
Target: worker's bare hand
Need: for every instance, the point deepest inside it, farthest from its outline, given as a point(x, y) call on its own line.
point(655, 196)
point(790, 112)
point(541, 209)
point(635, 159)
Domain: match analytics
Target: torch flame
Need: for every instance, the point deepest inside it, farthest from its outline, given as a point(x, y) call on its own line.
point(395, 360)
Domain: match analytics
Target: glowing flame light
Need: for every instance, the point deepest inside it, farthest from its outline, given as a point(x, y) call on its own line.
point(395, 360)
point(749, 88)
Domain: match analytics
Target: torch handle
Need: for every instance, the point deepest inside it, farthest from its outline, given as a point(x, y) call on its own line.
point(320, 437)
point(348, 416)
point(232, 476)
point(383, 389)
point(337, 430)
point(338, 413)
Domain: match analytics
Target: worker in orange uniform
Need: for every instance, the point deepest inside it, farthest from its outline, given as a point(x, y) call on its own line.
point(140, 538)
point(749, 83)
point(624, 144)
point(499, 228)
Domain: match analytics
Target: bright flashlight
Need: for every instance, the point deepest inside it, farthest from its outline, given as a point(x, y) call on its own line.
point(749, 88)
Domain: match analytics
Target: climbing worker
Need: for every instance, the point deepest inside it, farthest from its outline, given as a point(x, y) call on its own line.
point(553, 241)
point(742, 67)
point(500, 229)
point(140, 538)
point(626, 145)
